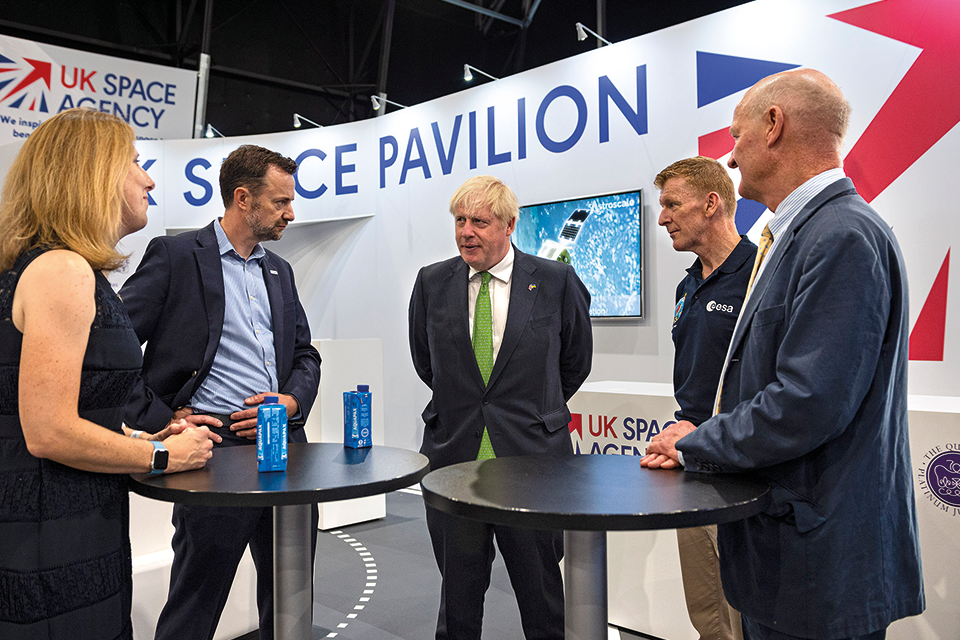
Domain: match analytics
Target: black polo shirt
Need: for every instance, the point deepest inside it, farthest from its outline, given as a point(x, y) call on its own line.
point(705, 315)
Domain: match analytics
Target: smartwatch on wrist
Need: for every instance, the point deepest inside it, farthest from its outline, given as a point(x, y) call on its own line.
point(158, 463)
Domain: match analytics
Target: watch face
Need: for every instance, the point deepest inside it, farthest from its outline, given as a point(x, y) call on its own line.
point(160, 459)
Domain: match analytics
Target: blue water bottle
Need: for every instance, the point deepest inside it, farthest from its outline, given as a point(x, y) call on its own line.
point(271, 435)
point(357, 427)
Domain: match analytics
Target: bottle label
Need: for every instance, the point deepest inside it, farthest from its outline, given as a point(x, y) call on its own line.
point(272, 438)
point(357, 429)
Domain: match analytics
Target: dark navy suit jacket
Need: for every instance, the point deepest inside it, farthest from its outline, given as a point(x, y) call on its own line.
point(176, 303)
point(815, 401)
point(544, 357)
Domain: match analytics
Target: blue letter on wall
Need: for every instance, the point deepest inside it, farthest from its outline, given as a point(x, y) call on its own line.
point(492, 156)
point(384, 160)
point(637, 119)
point(409, 162)
point(563, 145)
point(446, 157)
point(197, 180)
point(303, 192)
point(521, 128)
point(345, 168)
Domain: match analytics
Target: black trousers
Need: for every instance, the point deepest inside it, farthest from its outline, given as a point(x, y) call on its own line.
point(208, 545)
point(464, 551)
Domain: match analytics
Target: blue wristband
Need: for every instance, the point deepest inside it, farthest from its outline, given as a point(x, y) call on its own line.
point(158, 463)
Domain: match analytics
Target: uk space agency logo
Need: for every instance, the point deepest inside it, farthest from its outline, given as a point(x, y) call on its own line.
point(940, 477)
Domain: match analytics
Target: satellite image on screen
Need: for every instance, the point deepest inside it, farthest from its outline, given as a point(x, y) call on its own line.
point(600, 237)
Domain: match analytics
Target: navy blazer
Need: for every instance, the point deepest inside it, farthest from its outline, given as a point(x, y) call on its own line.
point(544, 357)
point(175, 300)
point(815, 401)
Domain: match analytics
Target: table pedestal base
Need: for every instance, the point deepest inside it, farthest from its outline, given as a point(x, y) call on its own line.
point(585, 579)
point(292, 572)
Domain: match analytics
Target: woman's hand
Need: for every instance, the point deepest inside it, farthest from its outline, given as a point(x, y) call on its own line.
point(178, 426)
point(190, 448)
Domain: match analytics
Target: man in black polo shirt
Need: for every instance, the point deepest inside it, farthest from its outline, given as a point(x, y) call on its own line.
point(698, 203)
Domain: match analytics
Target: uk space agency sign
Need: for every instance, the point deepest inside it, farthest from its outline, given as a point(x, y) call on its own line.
point(39, 80)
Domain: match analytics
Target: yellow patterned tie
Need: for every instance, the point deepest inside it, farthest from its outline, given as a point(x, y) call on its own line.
point(483, 348)
point(766, 241)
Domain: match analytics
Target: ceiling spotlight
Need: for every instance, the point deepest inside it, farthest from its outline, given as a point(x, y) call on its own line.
point(211, 131)
point(467, 76)
point(582, 32)
point(379, 101)
point(297, 118)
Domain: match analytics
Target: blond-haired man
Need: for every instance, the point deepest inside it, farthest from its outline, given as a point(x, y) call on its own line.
point(503, 339)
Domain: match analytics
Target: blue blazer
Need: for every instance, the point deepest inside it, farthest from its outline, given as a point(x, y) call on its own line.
point(815, 401)
point(175, 300)
point(544, 357)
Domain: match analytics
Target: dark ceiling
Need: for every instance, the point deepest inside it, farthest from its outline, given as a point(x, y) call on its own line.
point(324, 58)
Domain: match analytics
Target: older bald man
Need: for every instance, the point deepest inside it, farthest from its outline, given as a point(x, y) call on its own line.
point(813, 394)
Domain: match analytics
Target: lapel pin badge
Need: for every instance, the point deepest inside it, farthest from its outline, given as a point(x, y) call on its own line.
point(531, 287)
point(274, 272)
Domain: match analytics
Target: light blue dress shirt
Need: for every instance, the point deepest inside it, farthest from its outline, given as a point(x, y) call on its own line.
point(245, 363)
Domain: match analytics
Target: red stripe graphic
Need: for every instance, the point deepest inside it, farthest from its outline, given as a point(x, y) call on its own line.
point(926, 339)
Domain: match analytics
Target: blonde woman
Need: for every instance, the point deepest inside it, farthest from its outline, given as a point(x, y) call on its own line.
point(68, 357)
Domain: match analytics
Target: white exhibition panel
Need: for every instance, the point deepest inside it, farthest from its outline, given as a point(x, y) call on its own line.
point(645, 590)
point(934, 444)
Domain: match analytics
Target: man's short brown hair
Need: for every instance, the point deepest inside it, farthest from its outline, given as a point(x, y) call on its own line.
point(247, 167)
point(703, 175)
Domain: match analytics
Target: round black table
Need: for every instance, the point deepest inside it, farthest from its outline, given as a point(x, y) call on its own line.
point(586, 496)
point(316, 472)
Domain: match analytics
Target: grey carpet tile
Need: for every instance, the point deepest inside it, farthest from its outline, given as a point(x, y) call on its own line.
point(405, 592)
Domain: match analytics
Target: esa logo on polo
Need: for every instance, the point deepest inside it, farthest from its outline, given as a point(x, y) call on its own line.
point(713, 305)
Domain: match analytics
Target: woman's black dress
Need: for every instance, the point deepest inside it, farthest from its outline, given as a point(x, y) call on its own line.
point(65, 567)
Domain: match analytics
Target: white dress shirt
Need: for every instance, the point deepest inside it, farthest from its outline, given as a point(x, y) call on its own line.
point(499, 288)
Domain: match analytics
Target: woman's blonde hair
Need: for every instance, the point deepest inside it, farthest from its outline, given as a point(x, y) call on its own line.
point(65, 188)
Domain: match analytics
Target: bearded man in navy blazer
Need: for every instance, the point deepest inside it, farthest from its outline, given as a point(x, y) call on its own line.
point(223, 324)
point(542, 346)
point(813, 395)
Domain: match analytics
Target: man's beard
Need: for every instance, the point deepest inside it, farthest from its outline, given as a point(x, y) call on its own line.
point(261, 231)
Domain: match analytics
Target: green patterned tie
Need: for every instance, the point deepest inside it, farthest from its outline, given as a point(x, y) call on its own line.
point(483, 348)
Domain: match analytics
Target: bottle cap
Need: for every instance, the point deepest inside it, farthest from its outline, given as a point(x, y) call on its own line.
point(363, 388)
point(271, 399)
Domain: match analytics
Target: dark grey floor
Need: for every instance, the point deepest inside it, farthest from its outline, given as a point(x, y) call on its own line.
point(386, 568)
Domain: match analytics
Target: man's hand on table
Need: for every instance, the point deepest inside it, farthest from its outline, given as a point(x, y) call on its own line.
point(662, 451)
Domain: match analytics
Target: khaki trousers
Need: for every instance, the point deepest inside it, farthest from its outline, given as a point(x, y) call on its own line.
point(707, 607)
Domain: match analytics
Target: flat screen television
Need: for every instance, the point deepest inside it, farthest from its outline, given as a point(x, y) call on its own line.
point(600, 237)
